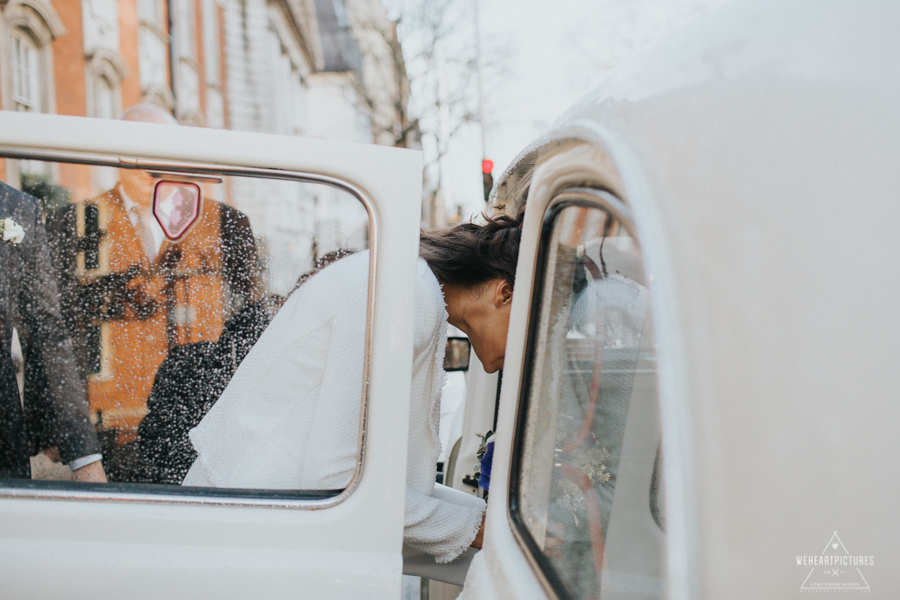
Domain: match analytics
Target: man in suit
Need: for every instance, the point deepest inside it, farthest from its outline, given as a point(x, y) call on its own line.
point(130, 295)
point(51, 414)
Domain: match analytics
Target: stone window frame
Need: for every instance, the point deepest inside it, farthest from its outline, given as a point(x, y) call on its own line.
point(109, 65)
point(300, 69)
point(38, 20)
point(157, 94)
point(28, 100)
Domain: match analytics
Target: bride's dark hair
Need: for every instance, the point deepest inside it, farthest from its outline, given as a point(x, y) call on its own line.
point(470, 254)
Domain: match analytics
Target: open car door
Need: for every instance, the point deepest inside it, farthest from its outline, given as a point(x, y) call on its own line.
point(160, 316)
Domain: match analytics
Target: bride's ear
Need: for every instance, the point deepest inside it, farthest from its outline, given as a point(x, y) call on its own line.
point(502, 293)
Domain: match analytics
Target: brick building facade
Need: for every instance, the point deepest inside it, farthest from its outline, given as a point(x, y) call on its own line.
point(259, 65)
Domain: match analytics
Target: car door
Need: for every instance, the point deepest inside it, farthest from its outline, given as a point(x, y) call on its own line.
point(577, 503)
point(137, 347)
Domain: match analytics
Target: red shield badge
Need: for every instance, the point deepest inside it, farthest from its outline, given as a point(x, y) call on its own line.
point(176, 206)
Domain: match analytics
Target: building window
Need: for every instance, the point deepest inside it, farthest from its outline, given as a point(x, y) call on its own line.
point(150, 12)
point(104, 28)
point(340, 13)
point(188, 83)
point(104, 75)
point(185, 27)
point(105, 106)
point(153, 54)
point(211, 43)
point(106, 70)
point(104, 99)
point(298, 103)
point(26, 72)
point(28, 93)
point(27, 69)
point(288, 89)
point(27, 66)
point(212, 19)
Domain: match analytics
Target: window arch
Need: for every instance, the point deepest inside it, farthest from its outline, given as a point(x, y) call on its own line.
point(159, 95)
point(31, 26)
point(105, 72)
point(28, 28)
point(27, 88)
point(104, 98)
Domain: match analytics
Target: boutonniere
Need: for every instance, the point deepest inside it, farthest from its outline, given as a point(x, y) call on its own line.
point(12, 231)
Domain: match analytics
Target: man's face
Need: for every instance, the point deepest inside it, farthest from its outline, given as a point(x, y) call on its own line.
point(138, 185)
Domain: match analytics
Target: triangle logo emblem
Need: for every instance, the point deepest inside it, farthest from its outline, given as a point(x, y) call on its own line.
point(835, 569)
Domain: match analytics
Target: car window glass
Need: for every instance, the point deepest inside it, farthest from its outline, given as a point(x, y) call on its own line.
point(587, 486)
point(158, 328)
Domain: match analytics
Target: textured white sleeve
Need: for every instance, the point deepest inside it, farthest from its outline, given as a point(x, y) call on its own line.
point(331, 451)
point(440, 528)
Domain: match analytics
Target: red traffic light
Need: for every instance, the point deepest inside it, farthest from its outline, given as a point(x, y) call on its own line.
point(487, 166)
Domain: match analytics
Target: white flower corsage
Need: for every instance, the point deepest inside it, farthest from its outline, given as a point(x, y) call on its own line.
point(12, 231)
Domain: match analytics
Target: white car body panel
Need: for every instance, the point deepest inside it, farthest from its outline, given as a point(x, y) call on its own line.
point(758, 150)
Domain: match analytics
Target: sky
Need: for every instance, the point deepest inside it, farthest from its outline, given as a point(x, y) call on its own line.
point(544, 55)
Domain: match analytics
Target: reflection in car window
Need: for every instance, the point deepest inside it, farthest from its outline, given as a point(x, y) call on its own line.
point(587, 482)
point(158, 328)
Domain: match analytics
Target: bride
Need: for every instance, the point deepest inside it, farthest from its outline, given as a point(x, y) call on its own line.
point(289, 418)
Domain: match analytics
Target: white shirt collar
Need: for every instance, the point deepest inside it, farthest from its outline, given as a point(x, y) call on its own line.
point(126, 199)
point(130, 209)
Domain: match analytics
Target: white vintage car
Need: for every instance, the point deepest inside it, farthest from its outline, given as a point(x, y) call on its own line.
point(702, 379)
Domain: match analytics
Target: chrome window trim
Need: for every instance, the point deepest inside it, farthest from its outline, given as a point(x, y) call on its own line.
point(212, 169)
point(573, 196)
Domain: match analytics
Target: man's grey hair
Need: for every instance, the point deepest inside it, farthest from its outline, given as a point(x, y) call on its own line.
point(148, 113)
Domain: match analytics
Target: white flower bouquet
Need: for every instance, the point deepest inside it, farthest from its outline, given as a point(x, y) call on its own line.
point(12, 232)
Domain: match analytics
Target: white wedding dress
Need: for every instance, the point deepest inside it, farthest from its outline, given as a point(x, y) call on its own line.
point(289, 418)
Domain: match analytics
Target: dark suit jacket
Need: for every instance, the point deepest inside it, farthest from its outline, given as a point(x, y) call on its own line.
point(54, 409)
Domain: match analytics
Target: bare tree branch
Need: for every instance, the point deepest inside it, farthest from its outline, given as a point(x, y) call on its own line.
point(433, 93)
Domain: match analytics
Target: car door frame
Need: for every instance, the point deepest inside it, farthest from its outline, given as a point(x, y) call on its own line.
point(584, 156)
point(89, 541)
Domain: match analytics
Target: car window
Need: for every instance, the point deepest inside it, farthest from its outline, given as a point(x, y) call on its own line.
point(155, 330)
point(586, 491)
